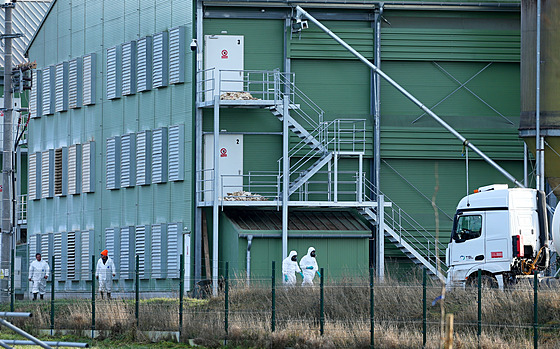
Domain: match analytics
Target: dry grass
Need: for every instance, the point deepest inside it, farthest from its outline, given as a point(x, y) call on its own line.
point(506, 316)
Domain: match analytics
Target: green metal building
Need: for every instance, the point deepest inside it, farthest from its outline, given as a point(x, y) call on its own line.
point(156, 149)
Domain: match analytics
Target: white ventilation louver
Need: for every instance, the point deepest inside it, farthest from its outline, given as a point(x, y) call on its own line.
point(157, 248)
point(89, 63)
point(177, 55)
point(113, 72)
point(61, 87)
point(159, 155)
point(112, 244)
point(174, 232)
point(57, 251)
point(32, 246)
point(126, 247)
point(71, 256)
point(128, 160)
point(176, 153)
point(113, 163)
point(47, 162)
point(144, 64)
point(75, 78)
point(143, 157)
point(142, 249)
point(48, 83)
point(129, 68)
point(161, 60)
point(85, 256)
point(45, 247)
point(74, 167)
point(34, 174)
point(35, 95)
point(88, 167)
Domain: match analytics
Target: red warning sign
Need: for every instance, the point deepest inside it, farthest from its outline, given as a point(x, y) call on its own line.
point(225, 54)
point(497, 254)
point(223, 153)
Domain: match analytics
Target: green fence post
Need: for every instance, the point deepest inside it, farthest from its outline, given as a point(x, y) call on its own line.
point(181, 293)
point(273, 318)
point(479, 331)
point(371, 331)
point(92, 296)
point(137, 289)
point(536, 311)
point(52, 294)
point(424, 307)
point(12, 290)
point(226, 302)
point(322, 310)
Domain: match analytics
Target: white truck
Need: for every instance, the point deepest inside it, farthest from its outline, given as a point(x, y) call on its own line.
point(501, 231)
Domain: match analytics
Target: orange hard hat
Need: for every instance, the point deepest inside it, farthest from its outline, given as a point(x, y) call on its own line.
point(104, 253)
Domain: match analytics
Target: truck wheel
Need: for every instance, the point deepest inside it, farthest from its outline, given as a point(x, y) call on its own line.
point(487, 281)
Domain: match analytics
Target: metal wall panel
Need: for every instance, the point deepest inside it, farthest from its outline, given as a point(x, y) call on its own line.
point(127, 258)
point(47, 183)
point(57, 251)
point(71, 256)
point(129, 68)
point(89, 63)
point(75, 78)
point(144, 64)
point(48, 75)
point(113, 163)
point(74, 169)
point(128, 160)
point(177, 55)
point(113, 77)
point(159, 155)
point(61, 171)
point(160, 60)
point(36, 94)
point(158, 246)
point(142, 249)
point(174, 248)
point(315, 44)
point(88, 167)
point(143, 157)
point(176, 152)
point(61, 87)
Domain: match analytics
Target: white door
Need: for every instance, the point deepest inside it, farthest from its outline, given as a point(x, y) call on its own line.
point(468, 245)
point(224, 53)
point(231, 164)
point(498, 237)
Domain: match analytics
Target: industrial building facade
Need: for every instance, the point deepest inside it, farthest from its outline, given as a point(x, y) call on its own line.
point(148, 144)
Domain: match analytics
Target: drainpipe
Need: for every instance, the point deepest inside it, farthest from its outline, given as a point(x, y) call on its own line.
point(249, 243)
point(377, 126)
point(539, 144)
point(301, 12)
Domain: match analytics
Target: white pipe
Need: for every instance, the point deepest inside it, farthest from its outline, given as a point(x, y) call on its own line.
point(249, 243)
point(215, 211)
point(302, 12)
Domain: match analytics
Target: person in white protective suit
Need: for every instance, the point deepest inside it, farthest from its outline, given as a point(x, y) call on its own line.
point(104, 273)
point(309, 267)
point(38, 274)
point(290, 268)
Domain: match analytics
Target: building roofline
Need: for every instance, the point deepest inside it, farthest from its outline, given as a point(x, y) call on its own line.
point(26, 53)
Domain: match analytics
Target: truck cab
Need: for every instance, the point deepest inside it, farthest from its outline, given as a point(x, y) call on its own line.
point(501, 231)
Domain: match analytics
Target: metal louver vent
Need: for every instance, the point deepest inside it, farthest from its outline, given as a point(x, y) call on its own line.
point(74, 166)
point(157, 248)
point(143, 161)
point(60, 171)
point(128, 157)
point(174, 231)
point(88, 167)
point(75, 73)
point(48, 90)
point(32, 247)
point(35, 95)
point(89, 63)
point(45, 250)
point(61, 87)
point(85, 256)
point(57, 256)
point(144, 64)
point(46, 174)
point(129, 68)
point(159, 155)
point(176, 153)
point(127, 246)
point(177, 55)
point(142, 250)
point(33, 191)
point(113, 72)
point(112, 243)
point(161, 60)
point(71, 256)
point(113, 166)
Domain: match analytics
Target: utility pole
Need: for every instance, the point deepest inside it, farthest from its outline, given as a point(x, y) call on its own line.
point(7, 166)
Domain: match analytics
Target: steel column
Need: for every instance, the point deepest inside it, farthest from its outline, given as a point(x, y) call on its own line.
point(380, 239)
point(216, 185)
point(285, 174)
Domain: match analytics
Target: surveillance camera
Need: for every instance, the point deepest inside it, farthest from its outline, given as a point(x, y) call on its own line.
point(193, 45)
point(304, 25)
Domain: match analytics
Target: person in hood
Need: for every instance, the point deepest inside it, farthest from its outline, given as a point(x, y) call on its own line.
point(104, 273)
point(308, 265)
point(290, 268)
point(38, 274)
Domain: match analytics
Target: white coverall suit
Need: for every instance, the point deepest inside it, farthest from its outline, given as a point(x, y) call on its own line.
point(104, 273)
point(309, 267)
point(37, 272)
point(289, 269)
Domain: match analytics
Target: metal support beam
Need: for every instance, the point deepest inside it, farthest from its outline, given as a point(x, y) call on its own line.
point(216, 185)
point(380, 239)
point(285, 174)
point(301, 12)
point(197, 87)
point(24, 334)
point(539, 144)
point(51, 343)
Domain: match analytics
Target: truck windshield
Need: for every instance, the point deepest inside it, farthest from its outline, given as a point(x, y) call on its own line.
point(467, 228)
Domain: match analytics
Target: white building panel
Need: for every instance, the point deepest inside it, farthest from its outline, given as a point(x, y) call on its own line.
point(127, 253)
point(61, 87)
point(144, 64)
point(88, 167)
point(129, 68)
point(176, 152)
point(89, 63)
point(160, 60)
point(174, 248)
point(159, 155)
point(36, 94)
point(47, 164)
point(159, 232)
point(48, 87)
point(74, 169)
point(34, 175)
point(143, 157)
point(128, 160)
point(113, 163)
point(113, 78)
point(75, 89)
point(177, 55)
